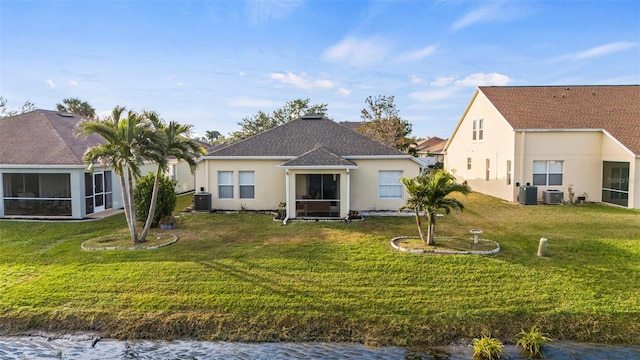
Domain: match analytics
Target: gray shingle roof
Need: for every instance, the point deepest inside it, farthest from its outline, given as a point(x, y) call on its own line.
point(319, 157)
point(43, 137)
point(614, 108)
point(299, 136)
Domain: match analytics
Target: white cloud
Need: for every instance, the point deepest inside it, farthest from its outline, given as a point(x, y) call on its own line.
point(442, 81)
point(73, 83)
point(482, 79)
point(605, 49)
point(179, 84)
point(433, 95)
point(416, 55)
point(415, 79)
point(498, 11)
point(51, 83)
point(357, 52)
point(250, 102)
point(343, 92)
point(301, 81)
point(260, 11)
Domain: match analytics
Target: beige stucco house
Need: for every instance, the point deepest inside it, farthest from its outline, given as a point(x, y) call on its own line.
point(549, 138)
point(314, 165)
point(177, 170)
point(41, 170)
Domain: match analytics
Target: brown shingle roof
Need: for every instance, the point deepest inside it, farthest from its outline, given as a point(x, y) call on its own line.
point(432, 144)
point(299, 136)
point(43, 137)
point(614, 108)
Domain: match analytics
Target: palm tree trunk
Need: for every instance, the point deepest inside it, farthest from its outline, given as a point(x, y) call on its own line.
point(152, 206)
point(419, 223)
point(133, 228)
point(127, 207)
point(431, 233)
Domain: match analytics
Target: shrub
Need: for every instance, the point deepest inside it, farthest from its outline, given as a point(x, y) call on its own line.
point(167, 198)
point(487, 348)
point(531, 341)
point(281, 211)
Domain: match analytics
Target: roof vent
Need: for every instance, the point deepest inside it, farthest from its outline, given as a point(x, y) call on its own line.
point(65, 115)
point(311, 116)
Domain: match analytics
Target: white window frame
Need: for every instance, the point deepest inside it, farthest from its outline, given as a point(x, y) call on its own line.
point(546, 168)
point(478, 129)
point(244, 183)
point(387, 188)
point(225, 183)
point(509, 172)
point(468, 163)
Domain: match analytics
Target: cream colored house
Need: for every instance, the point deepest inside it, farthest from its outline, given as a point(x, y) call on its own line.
point(550, 138)
point(314, 165)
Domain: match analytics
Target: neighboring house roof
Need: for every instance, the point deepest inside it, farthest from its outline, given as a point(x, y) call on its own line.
point(613, 108)
point(431, 145)
point(351, 124)
point(309, 132)
point(43, 137)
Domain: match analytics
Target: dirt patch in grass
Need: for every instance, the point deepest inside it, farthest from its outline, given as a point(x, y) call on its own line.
point(446, 245)
point(154, 240)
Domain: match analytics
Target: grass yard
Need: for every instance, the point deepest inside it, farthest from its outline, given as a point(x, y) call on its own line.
point(245, 277)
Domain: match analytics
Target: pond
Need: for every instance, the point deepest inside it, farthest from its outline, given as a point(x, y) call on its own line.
point(84, 347)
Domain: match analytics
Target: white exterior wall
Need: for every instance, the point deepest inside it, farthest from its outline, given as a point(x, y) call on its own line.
point(77, 186)
point(497, 146)
point(364, 183)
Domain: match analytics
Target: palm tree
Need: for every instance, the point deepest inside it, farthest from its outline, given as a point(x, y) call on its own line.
point(128, 140)
point(172, 140)
point(429, 193)
point(77, 106)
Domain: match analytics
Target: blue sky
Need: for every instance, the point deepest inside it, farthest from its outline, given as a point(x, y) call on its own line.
point(211, 63)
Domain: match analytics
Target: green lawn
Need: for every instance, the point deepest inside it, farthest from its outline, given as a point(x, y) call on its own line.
point(245, 277)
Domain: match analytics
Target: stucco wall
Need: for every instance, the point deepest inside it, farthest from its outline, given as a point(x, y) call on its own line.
point(364, 183)
point(269, 183)
point(496, 146)
point(580, 152)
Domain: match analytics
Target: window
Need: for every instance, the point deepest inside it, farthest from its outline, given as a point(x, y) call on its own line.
point(478, 132)
point(390, 186)
point(468, 163)
point(225, 184)
point(508, 172)
point(247, 184)
point(487, 172)
point(615, 182)
point(547, 173)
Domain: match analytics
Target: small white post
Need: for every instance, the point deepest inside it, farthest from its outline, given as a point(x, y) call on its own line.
point(542, 247)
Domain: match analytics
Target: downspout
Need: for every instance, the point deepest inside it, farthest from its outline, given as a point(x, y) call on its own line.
point(287, 187)
point(522, 149)
point(348, 191)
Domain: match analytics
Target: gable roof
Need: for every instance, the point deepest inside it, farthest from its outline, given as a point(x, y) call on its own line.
point(304, 134)
point(431, 145)
point(43, 137)
point(613, 108)
point(317, 158)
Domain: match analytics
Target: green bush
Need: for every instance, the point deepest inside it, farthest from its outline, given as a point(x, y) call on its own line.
point(167, 198)
point(487, 348)
point(531, 341)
